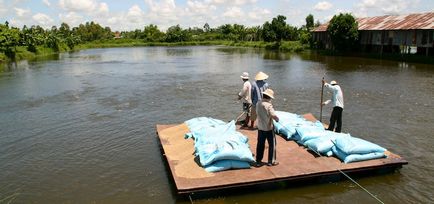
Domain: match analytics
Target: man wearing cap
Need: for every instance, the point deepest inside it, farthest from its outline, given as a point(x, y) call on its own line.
point(245, 97)
point(338, 105)
point(258, 88)
point(266, 114)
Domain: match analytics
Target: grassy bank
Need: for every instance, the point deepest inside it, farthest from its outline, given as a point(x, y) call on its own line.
point(285, 46)
point(141, 43)
point(289, 46)
point(22, 53)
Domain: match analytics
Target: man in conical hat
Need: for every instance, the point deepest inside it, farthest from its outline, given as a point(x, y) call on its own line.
point(266, 115)
point(258, 87)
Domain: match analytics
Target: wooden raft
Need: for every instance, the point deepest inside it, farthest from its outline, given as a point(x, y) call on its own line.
point(296, 163)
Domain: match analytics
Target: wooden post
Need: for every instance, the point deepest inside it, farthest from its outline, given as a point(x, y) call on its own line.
point(320, 105)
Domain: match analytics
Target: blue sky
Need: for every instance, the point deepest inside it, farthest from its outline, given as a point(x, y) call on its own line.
point(133, 14)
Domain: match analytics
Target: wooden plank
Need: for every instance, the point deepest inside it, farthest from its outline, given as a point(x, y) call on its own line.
point(296, 162)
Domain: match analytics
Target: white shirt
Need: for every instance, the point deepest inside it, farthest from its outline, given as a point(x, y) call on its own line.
point(245, 92)
point(265, 111)
point(338, 96)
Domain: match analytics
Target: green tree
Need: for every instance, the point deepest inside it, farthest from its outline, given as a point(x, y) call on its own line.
point(268, 34)
point(151, 33)
point(9, 39)
point(279, 26)
point(309, 22)
point(206, 28)
point(277, 30)
point(176, 34)
point(343, 30)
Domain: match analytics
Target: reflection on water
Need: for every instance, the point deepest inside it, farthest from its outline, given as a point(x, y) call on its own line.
point(80, 127)
point(179, 51)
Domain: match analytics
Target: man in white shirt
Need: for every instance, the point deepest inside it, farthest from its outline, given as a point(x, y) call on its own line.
point(266, 115)
point(245, 97)
point(338, 105)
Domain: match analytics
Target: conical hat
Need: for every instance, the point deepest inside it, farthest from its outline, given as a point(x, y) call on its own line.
point(261, 76)
point(269, 92)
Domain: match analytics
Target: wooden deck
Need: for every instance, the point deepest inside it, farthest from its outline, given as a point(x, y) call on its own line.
point(296, 163)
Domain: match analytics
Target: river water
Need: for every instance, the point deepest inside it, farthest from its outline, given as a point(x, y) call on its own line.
point(80, 127)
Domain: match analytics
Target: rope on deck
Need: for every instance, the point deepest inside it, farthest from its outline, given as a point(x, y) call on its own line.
point(343, 173)
point(191, 199)
point(351, 179)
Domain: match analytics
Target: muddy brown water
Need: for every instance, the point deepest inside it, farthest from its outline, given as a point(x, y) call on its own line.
point(80, 127)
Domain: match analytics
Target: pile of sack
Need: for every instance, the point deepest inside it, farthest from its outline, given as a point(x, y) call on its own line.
point(315, 137)
point(218, 145)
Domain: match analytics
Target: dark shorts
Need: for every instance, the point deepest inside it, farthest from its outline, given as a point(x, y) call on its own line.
point(247, 107)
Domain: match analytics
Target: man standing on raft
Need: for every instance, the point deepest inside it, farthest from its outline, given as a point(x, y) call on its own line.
point(338, 105)
point(266, 114)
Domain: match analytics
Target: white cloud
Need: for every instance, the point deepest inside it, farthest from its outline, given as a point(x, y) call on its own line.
point(3, 9)
point(46, 2)
point(164, 13)
point(71, 18)
point(135, 14)
point(43, 19)
point(234, 12)
point(231, 2)
point(103, 9)
point(258, 16)
point(259, 13)
point(78, 5)
point(20, 13)
point(323, 6)
point(389, 7)
point(199, 7)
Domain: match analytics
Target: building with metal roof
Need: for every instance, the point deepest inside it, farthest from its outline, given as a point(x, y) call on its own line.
point(412, 33)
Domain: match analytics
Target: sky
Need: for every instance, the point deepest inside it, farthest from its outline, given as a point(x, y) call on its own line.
point(123, 15)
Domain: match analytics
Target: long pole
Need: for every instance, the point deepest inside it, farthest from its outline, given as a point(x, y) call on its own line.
point(320, 105)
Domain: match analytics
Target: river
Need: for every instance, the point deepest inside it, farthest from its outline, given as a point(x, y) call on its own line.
point(80, 127)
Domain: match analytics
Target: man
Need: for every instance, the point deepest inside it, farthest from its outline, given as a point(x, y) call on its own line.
point(266, 114)
point(258, 88)
point(338, 105)
point(245, 97)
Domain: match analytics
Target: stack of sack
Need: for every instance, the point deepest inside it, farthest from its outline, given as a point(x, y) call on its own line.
point(315, 137)
point(352, 149)
point(218, 145)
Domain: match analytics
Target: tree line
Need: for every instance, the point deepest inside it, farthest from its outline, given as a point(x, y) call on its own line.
point(64, 37)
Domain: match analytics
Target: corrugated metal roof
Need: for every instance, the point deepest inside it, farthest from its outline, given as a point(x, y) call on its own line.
point(403, 22)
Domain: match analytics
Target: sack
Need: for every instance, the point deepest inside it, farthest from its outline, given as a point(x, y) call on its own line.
point(310, 132)
point(325, 143)
point(214, 141)
point(348, 158)
point(354, 145)
point(227, 164)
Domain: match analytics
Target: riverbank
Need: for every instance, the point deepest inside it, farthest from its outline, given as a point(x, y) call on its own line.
point(289, 46)
point(23, 54)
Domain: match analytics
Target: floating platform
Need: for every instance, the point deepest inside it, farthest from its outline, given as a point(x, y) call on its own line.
point(295, 163)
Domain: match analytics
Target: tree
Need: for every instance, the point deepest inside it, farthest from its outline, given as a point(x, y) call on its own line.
point(176, 34)
point(277, 30)
point(9, 39)
point(309, 22)
point(343, 30)
point(279, 26)
point(206, 27)
point(151, 33)
point(268, 34)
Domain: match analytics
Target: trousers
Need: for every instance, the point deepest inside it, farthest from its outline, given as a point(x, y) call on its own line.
point(336, 117)
point(260, 147)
